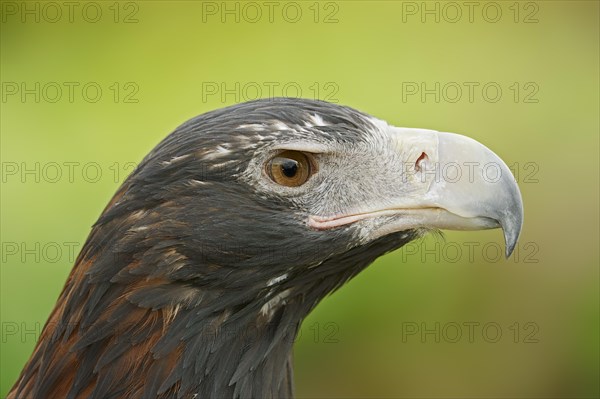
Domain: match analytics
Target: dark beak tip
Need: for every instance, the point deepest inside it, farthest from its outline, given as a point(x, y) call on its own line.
point(509, 250)
point(512, 232)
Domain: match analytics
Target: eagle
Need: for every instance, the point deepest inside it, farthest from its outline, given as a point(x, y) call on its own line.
point(195, 279)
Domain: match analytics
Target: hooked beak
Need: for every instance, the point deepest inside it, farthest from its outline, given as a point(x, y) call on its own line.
point(449, 182)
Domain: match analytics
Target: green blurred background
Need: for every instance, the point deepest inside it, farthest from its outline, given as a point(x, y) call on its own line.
point(534, 317)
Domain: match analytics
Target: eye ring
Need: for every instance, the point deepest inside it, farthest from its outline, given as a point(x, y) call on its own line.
point(290, 168)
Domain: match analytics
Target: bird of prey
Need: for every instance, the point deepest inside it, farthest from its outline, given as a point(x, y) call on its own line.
point(195, 279)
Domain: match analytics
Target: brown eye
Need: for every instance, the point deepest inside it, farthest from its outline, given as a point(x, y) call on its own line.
point(290, 168)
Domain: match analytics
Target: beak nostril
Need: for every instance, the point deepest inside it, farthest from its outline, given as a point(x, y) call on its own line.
point(423, 157)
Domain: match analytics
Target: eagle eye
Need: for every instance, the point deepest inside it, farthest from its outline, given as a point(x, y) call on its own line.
point(290, 168)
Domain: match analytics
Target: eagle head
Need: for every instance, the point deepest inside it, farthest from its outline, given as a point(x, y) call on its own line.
point(198, 273)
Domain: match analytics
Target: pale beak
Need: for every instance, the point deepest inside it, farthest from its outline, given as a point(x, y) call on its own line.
point(458, 184)
point(443, 181)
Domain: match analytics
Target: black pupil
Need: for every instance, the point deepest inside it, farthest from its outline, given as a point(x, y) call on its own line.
point(289, 167)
